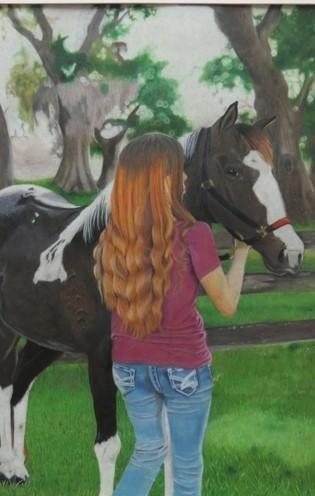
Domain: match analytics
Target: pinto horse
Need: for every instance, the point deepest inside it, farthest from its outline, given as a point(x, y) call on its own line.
point(48, 294)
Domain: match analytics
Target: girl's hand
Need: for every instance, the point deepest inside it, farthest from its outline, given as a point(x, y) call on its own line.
point(240, 245)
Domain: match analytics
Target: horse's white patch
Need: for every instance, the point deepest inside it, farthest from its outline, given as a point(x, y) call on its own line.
point(106, 454)
point(51, 266)
point(10, 464)
point(268, 193)
point(20, 413)
point(168, 464)
point(6, 451)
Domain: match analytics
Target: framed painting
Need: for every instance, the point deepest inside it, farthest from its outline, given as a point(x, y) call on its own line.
point(235, 86)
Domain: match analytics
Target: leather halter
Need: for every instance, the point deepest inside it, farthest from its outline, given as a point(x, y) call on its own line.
point(260, 230)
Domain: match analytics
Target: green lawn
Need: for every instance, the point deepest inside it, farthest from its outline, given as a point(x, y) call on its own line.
point(255, 264)
point(260, 440)
point(75, 198)
point(264, 307)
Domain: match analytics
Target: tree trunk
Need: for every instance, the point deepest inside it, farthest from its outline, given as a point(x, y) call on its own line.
point(271, 98)
point(6, 171)
point(74, 173)
point(311, 141)
point(75, 108)
point(108, 164)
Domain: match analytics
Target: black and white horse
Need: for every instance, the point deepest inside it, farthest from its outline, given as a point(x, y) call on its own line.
point(48, 294)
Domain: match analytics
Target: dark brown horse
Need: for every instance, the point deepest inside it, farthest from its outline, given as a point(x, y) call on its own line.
point(48, 294)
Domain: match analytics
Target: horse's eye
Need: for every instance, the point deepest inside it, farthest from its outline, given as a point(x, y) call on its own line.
point(233, 172)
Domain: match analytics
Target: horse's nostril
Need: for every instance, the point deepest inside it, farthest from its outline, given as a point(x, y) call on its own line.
point(281, 256)
point(300, 258)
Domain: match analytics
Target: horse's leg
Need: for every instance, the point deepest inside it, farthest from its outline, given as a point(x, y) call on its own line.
point(33, 359)
point(8, 343)
point(107, 442)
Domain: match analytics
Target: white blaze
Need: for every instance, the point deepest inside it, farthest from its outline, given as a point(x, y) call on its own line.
point(268, 193)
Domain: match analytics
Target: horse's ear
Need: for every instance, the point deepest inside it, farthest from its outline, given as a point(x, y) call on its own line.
point(229, 118)
point(263, 123)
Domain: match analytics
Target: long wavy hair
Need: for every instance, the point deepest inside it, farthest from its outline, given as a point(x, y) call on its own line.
point(134, 255)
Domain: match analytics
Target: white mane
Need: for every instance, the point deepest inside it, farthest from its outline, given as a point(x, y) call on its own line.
point(98, 213)
point(189, 143)
point(91, 220)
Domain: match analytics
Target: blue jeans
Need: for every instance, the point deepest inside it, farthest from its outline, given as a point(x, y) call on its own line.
point(186, 396)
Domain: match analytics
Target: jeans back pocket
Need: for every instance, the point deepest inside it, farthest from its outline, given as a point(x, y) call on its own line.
point(124, 378)
point(184, 381)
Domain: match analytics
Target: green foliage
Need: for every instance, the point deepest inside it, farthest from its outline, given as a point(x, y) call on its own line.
point(25, 79)
point(157, 96)
point(226, 72)
point(95, 149)
point(295, 36)
point(66, 63)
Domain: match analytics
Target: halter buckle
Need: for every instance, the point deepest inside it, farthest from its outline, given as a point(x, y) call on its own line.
point(262, 231)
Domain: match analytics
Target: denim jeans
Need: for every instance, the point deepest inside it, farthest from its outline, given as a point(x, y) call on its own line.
point(186, 396)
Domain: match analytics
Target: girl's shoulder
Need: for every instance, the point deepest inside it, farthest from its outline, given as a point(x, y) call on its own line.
point(199, 228)
point(196, 236)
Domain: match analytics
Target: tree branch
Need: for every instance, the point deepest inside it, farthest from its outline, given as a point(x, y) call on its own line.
point(122, 16)
point(93, 30)
point(43, 46)
point(115, 139)
point(111, 119)
point(305, 91)
point(22, 29)
point(44, 25)
point(115, 21)
point(269, 22)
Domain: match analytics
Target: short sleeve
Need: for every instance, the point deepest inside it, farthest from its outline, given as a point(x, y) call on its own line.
point(202, 249)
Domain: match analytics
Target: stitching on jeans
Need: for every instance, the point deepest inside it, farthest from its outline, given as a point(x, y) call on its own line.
point(125, 382)
point(180, 383)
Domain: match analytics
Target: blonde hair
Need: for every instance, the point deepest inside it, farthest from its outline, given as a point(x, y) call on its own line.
point(133, 258)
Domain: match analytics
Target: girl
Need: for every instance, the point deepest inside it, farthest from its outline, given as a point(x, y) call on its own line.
point(149, 263)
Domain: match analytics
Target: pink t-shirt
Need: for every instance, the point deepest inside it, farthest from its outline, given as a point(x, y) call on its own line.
point(181, 339)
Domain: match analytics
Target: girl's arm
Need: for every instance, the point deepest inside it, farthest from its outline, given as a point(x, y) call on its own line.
point(224, 289)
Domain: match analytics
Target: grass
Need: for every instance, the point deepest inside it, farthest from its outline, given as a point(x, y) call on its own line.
point(260, 440)
point(80, 199)
point(255, 264)
point(264, 307)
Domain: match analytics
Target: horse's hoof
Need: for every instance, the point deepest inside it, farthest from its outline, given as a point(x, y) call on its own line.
point(13, 481)
point(18, 481)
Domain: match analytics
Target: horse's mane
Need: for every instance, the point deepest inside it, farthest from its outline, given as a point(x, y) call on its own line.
point(190, 145)
point(97, 215)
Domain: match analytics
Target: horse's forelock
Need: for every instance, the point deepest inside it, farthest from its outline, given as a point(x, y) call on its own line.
point(256, 139)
